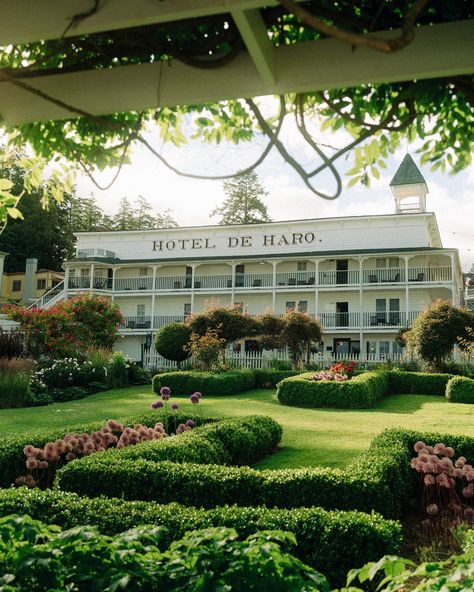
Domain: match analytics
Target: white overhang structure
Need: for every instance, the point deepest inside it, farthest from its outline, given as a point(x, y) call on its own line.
point(438, 50)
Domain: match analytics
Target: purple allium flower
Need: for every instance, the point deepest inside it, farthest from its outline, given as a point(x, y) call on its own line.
point(157, 405)
point(165, 391)
point(419, 445)
point(432, 509)
point(174, 406)
point(194, 399)
point(429, 480)
point(190, 423)
point(198, 394)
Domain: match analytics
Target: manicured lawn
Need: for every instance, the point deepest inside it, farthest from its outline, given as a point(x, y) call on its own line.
point(311, 437)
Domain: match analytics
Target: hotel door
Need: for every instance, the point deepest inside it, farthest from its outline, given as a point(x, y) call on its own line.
point(342, 266)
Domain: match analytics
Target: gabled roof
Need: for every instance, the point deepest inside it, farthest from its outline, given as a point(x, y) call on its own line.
point(408, 173)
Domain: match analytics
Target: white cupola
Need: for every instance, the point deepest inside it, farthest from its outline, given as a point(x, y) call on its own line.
point(409, 188)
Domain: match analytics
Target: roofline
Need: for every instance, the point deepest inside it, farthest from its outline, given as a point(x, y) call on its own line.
point(262, 224)
point(325, 254)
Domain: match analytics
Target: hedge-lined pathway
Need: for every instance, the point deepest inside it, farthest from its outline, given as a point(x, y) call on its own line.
point(312, 437)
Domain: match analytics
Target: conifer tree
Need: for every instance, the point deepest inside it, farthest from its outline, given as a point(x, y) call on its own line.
point(244, 203)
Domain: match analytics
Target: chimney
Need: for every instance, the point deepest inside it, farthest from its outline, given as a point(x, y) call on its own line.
point(29, 289)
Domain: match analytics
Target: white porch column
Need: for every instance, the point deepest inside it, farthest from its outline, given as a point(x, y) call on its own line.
point(193, 275)
point(232, 293)
point(274, 283)
point(407, 292)
point(361, 311)
point(316, 287)
point(455, 296)
point(152, 324)
point(91, 279)
point(66, 280)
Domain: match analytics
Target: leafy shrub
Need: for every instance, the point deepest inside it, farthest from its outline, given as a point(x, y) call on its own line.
point(117, 370)
point(207, 383)
point(56, 374)
point(38, 557)
point(276, 364)
point(12, 459)
point(10, 344)
point(460, 390)
point(270, 378)
point(327, 541)
point(172, 340)
point(138, 375)
point(358, 393)
point(15, 390)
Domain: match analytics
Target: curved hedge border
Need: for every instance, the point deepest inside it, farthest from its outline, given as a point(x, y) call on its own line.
point(12, 459)
point(460, 390)
point(187, 382)
point(358, 393)
point(380, 479)
point(327, 541)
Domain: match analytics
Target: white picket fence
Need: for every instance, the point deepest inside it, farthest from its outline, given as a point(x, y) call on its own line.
point(264, 360)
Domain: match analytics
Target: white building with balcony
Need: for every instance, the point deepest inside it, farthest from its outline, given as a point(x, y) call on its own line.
point(365, 277)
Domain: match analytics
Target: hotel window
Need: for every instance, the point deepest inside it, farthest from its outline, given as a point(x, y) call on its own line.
point(397, 349)
point(41, 284)
point(187, 309)
point(394, 262)
point(140, 310)
point(16, 286)
point(302, 306)
point(384, 348)
point(143, 271)
point(290, 305)
point(301, 266)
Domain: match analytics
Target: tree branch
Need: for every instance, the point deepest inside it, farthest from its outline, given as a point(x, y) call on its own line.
point(355, 39)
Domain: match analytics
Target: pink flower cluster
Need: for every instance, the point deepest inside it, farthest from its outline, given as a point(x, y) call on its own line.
point(436, 467)
point(74, 445)
point(328, 375)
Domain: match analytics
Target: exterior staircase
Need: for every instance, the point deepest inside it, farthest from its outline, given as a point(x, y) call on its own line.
point(53, 296)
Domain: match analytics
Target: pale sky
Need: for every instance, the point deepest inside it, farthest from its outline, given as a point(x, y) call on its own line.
point(191, 201)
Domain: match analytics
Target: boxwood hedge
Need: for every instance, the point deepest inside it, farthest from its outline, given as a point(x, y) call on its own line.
point(329, 541)
point(460, 390)
point(358, 393)
point(186, 382)
point(380, 479)
point(418, 383)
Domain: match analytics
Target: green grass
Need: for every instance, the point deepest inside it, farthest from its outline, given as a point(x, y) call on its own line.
point(311, 437)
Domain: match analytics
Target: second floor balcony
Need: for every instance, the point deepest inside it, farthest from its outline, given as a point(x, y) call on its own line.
point(297, 280)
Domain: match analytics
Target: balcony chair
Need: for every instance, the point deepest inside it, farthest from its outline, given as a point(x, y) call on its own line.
point(131, 325)
point(229, 283)
point(419, 278)
point(177, 286)
point(311, 281)
point(292, 281)
point(373, 279)
point(257, 283)
point(197, 285)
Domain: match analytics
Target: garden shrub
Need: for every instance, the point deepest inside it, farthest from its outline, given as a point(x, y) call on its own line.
point(208, 383)
point(271, 377)
point(418, 383)
point(15, 390)
point(460, 390)
point(38, 557)
point(12, 459)
point(358, 393)
point(327, 540)
point(227, 442)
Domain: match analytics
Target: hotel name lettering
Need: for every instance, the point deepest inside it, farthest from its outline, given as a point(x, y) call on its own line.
point(234, 242)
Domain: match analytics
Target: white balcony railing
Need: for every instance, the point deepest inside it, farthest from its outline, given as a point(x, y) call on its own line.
point(299, 280)
point(329, 320)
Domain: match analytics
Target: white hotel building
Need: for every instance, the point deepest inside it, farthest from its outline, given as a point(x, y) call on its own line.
point(365, 277)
